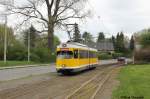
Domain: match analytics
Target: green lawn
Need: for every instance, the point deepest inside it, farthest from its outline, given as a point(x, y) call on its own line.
point(16, 63)
point(134, 83)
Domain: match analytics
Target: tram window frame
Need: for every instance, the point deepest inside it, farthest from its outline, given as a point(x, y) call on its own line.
point(77, 54)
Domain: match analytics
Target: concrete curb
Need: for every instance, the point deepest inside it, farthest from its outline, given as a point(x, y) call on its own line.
point(25, 66)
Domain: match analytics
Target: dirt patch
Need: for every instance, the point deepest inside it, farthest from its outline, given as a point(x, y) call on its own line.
point(109, 86)
point(50, 86)
point(54, 86)
point(26, 80)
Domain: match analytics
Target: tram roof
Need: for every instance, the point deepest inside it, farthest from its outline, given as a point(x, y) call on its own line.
point(76, 45)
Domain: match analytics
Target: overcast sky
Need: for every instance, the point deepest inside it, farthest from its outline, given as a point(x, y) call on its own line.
point(112, 16)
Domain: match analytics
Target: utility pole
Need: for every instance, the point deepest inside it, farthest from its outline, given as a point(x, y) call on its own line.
point(133, 58)
point(6, 3)
point(5, 40)
point(29, 44)
point(5, 35)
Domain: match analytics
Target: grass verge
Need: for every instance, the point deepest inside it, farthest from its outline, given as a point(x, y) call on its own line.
point(17, 63)
point(134, 83)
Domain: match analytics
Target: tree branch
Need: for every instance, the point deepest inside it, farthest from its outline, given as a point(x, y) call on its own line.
point(56, 7)
point(27, 11)
point(49, 6)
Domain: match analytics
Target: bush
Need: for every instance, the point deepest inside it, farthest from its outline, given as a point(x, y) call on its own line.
point(20, 53)
point(142, 56)
point(43, 55)
point(102, 56)
point(35, 57)
point(17, 53)
point(1, 51)
point(145, 39)
point(116, 55)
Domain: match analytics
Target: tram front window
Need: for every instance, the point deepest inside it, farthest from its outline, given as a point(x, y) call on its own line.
point(64, 54)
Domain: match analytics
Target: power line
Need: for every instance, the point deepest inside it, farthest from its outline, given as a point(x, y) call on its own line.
point(91, 6)
point(108, 32)
point(98, 16)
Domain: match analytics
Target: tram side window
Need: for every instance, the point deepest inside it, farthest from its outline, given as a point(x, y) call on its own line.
point(83, 54)
point(92, 54)
point(75, 53)
point(64, 54)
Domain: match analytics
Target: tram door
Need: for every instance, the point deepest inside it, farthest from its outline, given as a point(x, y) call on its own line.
point(76, 56)
point(89, 59)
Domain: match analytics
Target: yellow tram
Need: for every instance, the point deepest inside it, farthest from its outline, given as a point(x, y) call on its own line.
point(74, 56)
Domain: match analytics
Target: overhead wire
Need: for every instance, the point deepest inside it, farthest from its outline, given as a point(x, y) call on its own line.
point(99, 17)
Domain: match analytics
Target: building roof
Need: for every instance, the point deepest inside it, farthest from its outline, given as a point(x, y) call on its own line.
point(105, 46)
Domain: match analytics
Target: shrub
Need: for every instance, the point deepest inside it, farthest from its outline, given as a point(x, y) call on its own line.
point(35, 57)
point(1, 51)
point(145, 39)
point(116, 55)
point(17, 53)
point(142, 56)
point(103, 56)
point(43, 55)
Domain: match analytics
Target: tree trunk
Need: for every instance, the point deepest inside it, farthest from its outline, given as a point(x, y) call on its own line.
point(51, 36)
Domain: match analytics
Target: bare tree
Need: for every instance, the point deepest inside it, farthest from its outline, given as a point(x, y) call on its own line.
point(58, 13)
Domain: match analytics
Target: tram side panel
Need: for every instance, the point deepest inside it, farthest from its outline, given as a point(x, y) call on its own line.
point(84, 59)
point(93, 58)
point(87, 59)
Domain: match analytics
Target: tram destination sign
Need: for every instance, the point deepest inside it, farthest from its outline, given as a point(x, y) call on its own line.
point(64, 49)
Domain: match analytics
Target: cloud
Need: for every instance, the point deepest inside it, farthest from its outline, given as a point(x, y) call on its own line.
point(112, 16)
point(119, 15)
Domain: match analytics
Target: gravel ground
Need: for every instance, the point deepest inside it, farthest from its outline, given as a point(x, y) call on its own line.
point(47, 86)
point(109, 86)
point(16, 73)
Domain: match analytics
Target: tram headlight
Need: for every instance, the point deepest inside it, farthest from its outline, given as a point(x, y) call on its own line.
point(63, 65)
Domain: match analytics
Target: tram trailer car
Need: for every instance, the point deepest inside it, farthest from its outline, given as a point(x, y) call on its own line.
point(72, 57)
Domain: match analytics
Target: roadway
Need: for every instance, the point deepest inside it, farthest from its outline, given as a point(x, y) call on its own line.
point(16, 73)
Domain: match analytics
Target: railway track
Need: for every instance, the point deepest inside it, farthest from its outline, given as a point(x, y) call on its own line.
point(90, 88)
point(81, 86)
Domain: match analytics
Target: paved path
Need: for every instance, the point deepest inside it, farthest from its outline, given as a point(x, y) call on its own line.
point(9, 74)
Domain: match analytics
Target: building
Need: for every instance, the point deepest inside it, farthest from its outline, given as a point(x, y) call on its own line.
point(104, 46)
